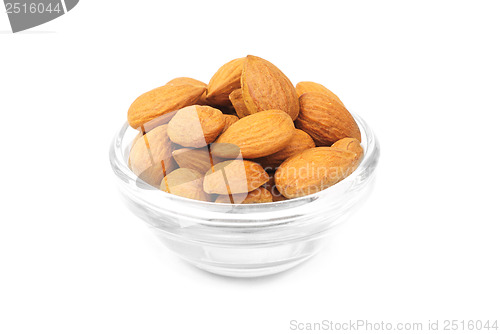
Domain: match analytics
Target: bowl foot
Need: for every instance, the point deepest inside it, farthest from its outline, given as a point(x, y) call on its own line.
point(249, 271)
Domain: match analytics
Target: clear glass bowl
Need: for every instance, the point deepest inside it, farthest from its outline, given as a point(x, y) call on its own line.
point(244, 240)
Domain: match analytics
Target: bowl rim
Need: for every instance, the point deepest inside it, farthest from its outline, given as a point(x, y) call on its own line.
point(120, 167)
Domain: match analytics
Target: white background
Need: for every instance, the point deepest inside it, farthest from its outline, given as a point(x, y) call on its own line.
point(425, 75)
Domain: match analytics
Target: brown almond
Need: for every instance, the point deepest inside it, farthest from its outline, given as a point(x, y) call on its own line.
point(186, 81)
point(197, 159)
point(256, 135)
point(151, 156)
point(234, 177)
point(259, 195)
point(193, 82)
point(313, 170)
point(299, 142)
point(309, 86)
point(236, 98)
point(196, 126)
point(271, 187)
point(229, 120)
point(160, 101)
point(351, 145)
point(325, 119)
point(136, 138)
point(186, 183)
point(224, 81)
point(155, 122)
point(265, 87)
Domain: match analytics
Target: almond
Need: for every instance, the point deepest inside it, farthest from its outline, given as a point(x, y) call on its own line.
point(136, 138)
point(248, 123)
point(155, 122)
point(236, 98)
point(234, 177)
point(151, 156)
point(265, 87)
point(309, 86)
point(160, 101)
point(313, 170)
point(351, 145)
point(256, 135)
point(325, 119)
point(299, 142)
point(193, 82)
point(186, 183)
point(196, 126)
point(186, 81)
point(259, 195)
point(271, 187)
point(197, 159)
point(229, 120)
point(224, 81)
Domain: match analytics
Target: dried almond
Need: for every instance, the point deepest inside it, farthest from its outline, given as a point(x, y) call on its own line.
point(234, 177)
point(325, 119)
point(256, 135)
point(236, 98)
point(299, 142)
point(197, 159)
point(229, 120)
point(259, 195)
point(136, 138)
point(186, 183)
point(309, 86)
point(196, 126)
point(193, 82)
point(265, 87)
point(351, 145)
point(160, 101)
point(271, 187)
point(313, 170)
point(151, 156)
point(224, 81)
point(186, 81)
point(155, 122)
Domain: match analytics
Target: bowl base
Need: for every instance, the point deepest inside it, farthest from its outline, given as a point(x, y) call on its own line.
point(247, 271)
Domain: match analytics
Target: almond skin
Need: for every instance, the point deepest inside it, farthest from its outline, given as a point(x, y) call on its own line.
point(259, 195)
point(325, 119)
point(309, 86)
point(193, 82)
point(313, 170)
point(257, 135)
point(160, 101)
point(224, 81)
point(234, 177)
point(186, 183)
point(299, 142)
point(351, 145)
point(151, 154)
point(155, 122)
point(271, 187)
point(265, 87)
point(186, 81)
point(196, 126)
point(197, 159)
point(236, 98)
point(229, 120)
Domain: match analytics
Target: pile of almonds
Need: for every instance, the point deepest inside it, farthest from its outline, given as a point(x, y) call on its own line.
point(249, 136)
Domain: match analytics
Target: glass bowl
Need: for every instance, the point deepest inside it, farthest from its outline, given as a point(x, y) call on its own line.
point(244, 240)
